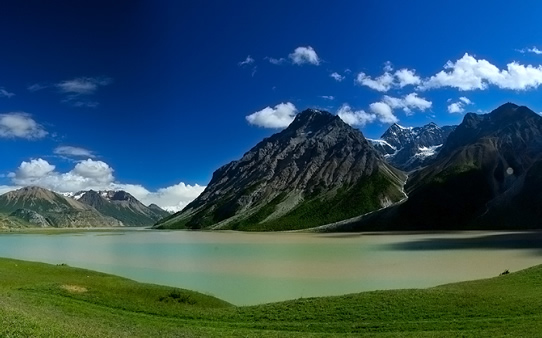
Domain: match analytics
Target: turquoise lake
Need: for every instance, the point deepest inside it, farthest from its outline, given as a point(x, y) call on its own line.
point(254, 268)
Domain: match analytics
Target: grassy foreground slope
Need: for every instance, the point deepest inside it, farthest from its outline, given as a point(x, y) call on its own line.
point(44, 300)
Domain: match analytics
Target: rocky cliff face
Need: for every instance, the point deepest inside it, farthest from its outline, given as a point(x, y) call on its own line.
point(317, 170)
point(59, 211)
point(410, 148)
point(486, 176)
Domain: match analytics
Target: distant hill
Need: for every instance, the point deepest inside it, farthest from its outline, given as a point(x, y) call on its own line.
point(57, 210)
point(122, 206)
point(316, 171)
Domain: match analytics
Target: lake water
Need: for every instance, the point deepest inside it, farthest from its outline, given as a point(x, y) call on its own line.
point(253, 268)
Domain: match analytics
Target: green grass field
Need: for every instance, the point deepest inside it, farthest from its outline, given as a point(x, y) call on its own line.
point(45, 300)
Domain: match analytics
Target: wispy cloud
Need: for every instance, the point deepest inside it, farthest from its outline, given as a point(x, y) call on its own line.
point(248, 61)
point(336, 76)
point(20, 125)
point(71, 151)
point(274, 61)
point(328, 97)
point(5, 93)
point(83, 85)
point(530, 50)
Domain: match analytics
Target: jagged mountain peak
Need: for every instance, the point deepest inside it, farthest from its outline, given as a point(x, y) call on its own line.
point(317, 157)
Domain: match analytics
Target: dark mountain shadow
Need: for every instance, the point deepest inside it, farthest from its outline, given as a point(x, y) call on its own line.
point(514, 240)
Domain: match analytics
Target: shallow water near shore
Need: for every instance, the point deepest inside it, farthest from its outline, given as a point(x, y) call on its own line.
point(254, 268)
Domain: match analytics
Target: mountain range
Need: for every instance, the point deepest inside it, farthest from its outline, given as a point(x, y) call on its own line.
point(486, 176)
point(35, 206)
point(485, 173)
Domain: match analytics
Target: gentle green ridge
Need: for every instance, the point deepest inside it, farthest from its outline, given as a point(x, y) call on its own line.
point(44, 300)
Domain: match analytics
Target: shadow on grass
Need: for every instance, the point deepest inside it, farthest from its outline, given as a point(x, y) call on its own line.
point(511, 240)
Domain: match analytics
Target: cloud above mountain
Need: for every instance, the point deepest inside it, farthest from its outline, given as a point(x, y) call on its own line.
point(278, 117)
point(97, 175)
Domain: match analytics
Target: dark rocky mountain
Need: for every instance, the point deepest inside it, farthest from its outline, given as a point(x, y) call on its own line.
point(316, 171)
point(122, 206)
point(410, 148)
point(57, 210)
point(487, 175)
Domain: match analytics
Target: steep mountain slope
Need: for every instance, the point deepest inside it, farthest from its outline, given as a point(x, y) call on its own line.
point(487, 175)
point(318, 170)
point(57, 210)
point(410, 148)
point(122, 206)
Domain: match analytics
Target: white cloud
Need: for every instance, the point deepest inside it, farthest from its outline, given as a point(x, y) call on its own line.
point(455, 107)
point(278, 117)
point(384, 112)
point(73, 151)
point(83, 85)
point(20, 125)
point(36, 86)
point(248, 61)
point(302, 55)
point(468, 73)
point(173, 198)
point(530, 50)
point(355, 118)
point(388, 66)
point(5, 93)
point(465, 100)
point(383, 83)
point(459, 106)
point(407, 77)
point(276, 61)
point(35, 169)
point(338, 77)
point(408, 103)
point(97, 175)
point(328, 97)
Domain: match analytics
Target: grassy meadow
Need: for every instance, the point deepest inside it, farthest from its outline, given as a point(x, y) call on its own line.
point(38, 299)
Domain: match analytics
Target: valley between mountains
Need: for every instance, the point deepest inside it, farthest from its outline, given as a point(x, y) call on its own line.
point(321, 173)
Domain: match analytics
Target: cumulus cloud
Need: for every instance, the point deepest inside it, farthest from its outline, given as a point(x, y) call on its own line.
point(408, 103)
point(469, 73)
point(383, 83)
point(407, 77)
point(248, 61)
point(383, 112)
point(173, 198)
point(302, 55)
point(278, 117)
point(337, 77)
point(459, 106)
point(34, 169)
point(5, 93)
point(355, 118)
point(20, 125)
point(71, 151)
point(388, 80)
point(97, 175)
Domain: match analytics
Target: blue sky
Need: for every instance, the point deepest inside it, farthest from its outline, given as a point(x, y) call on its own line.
point(153, 96)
